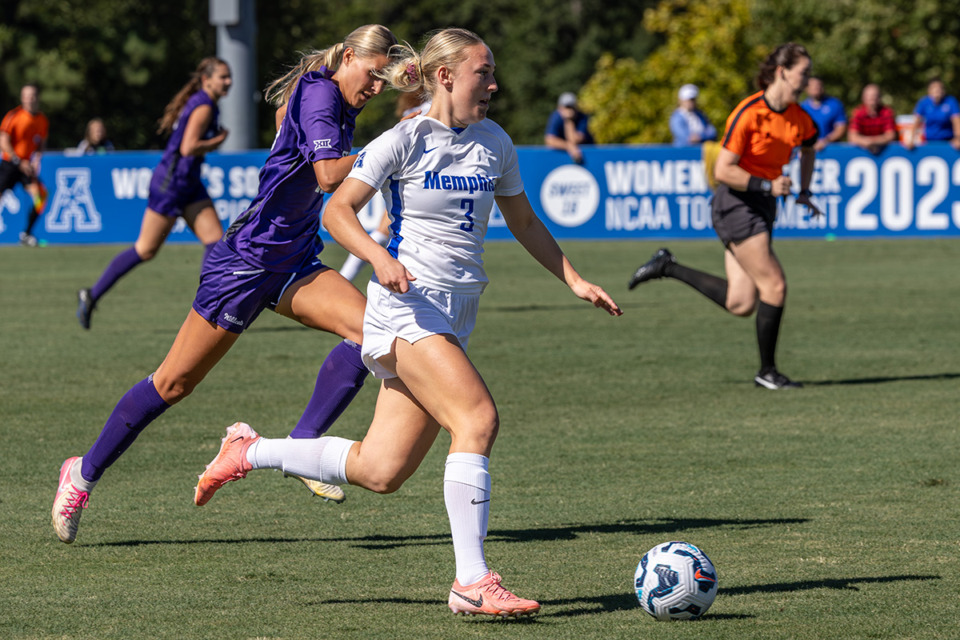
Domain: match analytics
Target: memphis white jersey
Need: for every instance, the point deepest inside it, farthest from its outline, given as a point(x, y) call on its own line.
point(439, 186)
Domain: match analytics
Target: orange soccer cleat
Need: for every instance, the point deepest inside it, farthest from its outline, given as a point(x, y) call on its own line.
point(487, 597)
point(229, 465)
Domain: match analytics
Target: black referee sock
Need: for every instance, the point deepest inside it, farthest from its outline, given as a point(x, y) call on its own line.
point(31, 220)
point(768, 328)
point(711, 286)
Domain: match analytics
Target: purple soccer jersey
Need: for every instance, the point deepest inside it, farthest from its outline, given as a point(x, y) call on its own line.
point(176, 180)
point(278, 232)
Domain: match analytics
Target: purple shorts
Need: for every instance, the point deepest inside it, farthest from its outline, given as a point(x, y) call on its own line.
point(170, 196)
point(233, 292)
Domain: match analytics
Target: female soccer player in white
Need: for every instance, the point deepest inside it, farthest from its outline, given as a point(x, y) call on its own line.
point(440, 174)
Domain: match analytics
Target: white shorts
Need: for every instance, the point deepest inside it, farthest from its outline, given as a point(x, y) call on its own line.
point(416, 314)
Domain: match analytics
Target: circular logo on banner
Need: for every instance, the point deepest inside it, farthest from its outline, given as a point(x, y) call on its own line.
point(570, 195)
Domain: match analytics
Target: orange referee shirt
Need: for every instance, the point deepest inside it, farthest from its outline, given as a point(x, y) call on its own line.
point(27, 131)
point(765, 139)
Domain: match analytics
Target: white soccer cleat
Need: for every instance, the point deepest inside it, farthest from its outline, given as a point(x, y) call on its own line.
point(68, 504)
point(320, 489)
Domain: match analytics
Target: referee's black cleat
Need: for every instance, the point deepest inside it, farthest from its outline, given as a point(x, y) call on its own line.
point(773, 379)
point(653, 269)
point(85, 305)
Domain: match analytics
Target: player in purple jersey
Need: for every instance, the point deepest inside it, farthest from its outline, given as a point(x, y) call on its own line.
point(192, 119)
point(267, 259)
point(422, 306)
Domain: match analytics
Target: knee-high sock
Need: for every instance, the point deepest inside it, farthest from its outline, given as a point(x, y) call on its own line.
point(118, 267)
point(323, 459)
point(140, 406)
point(466, 493)
point(338, 383)
point(31, 220)
point(768, 329)
point(711, 286)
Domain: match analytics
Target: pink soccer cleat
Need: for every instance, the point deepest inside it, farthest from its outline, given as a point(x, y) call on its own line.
point(229, 465)
point(68, 504)
point(487, 597)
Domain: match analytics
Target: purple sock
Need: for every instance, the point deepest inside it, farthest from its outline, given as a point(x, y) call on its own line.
point(340, 379)
point(140, 406)
point(118, 267)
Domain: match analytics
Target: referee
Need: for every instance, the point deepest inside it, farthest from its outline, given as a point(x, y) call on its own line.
point(762, 133)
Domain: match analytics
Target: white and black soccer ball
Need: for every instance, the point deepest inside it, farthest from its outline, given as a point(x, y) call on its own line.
point(675, 581)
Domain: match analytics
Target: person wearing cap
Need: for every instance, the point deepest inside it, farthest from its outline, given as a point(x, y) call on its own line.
point(567, 128)
point(688, 124)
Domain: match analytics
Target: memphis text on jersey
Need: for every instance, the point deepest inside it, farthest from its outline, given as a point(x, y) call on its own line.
point(436, 180)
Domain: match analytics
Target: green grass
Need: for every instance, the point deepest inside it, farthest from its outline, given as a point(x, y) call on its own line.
point(830, 512)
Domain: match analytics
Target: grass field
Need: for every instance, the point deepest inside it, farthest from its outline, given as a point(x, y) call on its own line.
point(829, 512)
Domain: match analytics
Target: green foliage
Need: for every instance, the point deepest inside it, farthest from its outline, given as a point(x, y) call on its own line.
point(826, 510)
point(123, 59)
point(632, 100)
point(899, 44)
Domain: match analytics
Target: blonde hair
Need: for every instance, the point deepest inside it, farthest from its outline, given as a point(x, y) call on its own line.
point(367, 41)
point(206, 68)
point(417, 72)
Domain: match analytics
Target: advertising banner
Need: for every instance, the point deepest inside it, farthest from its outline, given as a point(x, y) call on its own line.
point(618, 193)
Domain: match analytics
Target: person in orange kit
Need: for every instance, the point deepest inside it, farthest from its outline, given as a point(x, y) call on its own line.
point(23, 138)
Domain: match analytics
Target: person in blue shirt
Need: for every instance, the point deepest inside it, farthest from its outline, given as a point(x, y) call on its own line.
point(567, 128)
point(688, 124)
point(827, 113)
point(938, 115)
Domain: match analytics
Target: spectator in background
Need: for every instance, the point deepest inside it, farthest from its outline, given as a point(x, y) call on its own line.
point(567, 128)
point(873, 125)
point(939, 115)
point(95, 139)
point(688, 124)
point(827, 112)
point(23, 138)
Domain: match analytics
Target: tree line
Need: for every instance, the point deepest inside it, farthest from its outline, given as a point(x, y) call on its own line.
point(122, 60)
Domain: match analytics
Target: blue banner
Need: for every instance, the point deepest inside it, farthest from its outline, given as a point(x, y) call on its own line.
point(619, 192)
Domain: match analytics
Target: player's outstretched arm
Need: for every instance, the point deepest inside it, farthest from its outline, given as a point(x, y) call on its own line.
point(539, 243)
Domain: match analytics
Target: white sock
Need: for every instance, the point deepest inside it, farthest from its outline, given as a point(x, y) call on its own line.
point(466, 492)
point(323, 459)
point(351, 267)
point(78, 480)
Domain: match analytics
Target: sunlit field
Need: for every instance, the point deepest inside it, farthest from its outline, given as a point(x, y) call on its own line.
point(829, 512)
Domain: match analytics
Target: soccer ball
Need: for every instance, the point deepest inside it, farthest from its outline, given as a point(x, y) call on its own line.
point(675, 581)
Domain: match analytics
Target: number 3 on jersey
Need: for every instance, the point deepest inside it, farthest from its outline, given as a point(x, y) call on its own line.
point(467, 205)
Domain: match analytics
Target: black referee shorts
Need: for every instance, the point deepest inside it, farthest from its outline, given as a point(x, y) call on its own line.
point(738, 215)
point(10, 175)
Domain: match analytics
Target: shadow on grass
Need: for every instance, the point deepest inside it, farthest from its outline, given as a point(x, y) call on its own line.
point(571, 532)
point(626, 601)
point(882, 379)
point(836, 583)
point(542, 534)
point(572, 607)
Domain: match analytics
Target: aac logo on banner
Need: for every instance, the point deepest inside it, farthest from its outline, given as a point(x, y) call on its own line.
point(570, 195)
point(73, 208)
